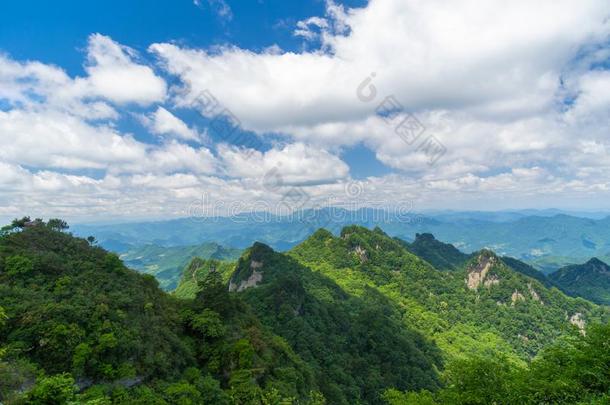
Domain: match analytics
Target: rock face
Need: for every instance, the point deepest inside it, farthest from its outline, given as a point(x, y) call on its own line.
point(516, 297)
point(252, 281)
point(578, 321)
point(361, 253)
point(533, 293)
point(478, 272)
point(491, 280)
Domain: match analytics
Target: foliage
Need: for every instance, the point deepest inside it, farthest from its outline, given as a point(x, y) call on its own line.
point(167, 263)
point(54, 390)
point(590, 280)
point(339, 320)
point(573, 370)
point(75, 313)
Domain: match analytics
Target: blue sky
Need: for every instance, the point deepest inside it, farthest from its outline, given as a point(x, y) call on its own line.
point(56, 33)
point(106, 107)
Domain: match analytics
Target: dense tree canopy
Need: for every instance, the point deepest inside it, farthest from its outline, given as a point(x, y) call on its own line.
point(340, 320)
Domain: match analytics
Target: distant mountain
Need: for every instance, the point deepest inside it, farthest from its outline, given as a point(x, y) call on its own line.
point(590, 280)
point(546, 241)
point(167, 263)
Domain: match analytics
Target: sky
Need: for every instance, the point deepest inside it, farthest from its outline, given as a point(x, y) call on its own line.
point(128, 110)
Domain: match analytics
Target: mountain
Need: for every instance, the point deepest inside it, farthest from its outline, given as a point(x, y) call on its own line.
point(353, 318)
point(167, 263)
point(356, 344)
point(590, 280)
point(443, 256)
point(484, 300)
point(527, 270)
point(485, 317)
point(77, 326)
point(546, 239)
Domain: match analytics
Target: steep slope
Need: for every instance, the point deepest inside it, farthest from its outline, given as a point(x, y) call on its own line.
point(590, 280)
point(196, 271)
point(357, 345)
point(443, 256)
point(486, 306)
point(75, 313)
point(527, 270)
point(166, 263)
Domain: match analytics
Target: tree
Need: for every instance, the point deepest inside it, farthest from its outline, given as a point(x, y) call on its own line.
point(20, 223)
point(15, 265)
point(57, 224)
point(3, 319)
point(53, 390)
point(214, 294)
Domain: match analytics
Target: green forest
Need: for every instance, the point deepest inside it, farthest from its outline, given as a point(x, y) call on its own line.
point(353, 318)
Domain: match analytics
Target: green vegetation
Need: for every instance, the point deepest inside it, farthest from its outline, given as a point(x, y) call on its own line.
point(574, 370)
point(590, 280)
point(516, 309)
point(349, 319)
point(82, 328)
point(167, 263)
point(442, 256)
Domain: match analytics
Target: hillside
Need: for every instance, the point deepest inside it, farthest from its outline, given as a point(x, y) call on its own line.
point(80, 326)
point(347, 340)
point(167, 263)
point(486, 300)
point(486, 317)
point(337, 320)
point(590, 280)
point(443, 256)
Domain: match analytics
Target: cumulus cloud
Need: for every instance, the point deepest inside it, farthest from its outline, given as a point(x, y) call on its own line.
point(499, 85)
point(294, 164)
point(163, 122)
point(113, 74)
point(516, 92)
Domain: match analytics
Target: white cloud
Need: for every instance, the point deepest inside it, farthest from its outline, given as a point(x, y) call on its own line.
point(490, 81)
point(495, 59)
point(114, 75)
point(294, 164)
point(163, 122)
point(53, 139)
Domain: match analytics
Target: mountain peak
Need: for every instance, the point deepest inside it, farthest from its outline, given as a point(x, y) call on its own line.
point(443, 256)
point(424, 237)
point(597, 263)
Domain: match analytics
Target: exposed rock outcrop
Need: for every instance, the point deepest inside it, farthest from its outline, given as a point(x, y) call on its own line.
point(578, 321)
point(478, 271)
point(252, 281)
point(534, 294)
point(516, 297)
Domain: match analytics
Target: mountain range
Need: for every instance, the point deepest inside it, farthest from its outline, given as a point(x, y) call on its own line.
point(547, 240)
point(353, 317)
